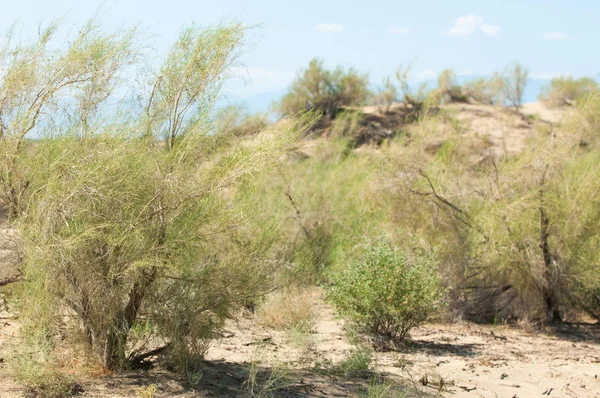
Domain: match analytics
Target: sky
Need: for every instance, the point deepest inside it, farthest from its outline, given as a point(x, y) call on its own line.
point(472, 37)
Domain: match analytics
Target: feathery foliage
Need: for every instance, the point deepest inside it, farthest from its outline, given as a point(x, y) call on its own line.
point(566, 91)
point(317, 88)
point(136, 225)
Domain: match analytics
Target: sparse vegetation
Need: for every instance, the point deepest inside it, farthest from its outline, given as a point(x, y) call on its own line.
point(347, 124)
point(146, 392)
point(383, 389)
point(147, 215)
point(265, 386)
point(387, 95)
point(358, 364)
point(566, 91)
point(326, 91)
point(34, 366)
point(290, 309)
point(514, 80)
point(448, 88)
point(415, 100)
point(236, 120)
point(485, 91)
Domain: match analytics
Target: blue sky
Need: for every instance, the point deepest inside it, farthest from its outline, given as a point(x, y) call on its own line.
point(473, 37)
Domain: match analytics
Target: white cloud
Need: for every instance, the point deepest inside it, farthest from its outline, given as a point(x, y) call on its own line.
point(555, 36)
point(330, 27)
point(467, 25)
point(398, 30)
point(490, 30)
point(467, 72)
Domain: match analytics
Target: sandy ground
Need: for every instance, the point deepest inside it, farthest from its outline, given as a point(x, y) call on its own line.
point(552, 115)
point(483, 130)
point(472, 360)
point(505, 131)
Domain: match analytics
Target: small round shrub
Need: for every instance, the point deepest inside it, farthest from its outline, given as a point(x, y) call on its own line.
point(389, 292)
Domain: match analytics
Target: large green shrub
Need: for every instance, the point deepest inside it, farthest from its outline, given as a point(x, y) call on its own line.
point(135, 225)
point(524, 243)
point(388, 292)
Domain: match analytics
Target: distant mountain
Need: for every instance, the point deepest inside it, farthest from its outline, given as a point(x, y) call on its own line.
point(262, 102)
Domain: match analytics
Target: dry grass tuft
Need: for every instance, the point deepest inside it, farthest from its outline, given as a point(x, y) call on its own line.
point(288, 309)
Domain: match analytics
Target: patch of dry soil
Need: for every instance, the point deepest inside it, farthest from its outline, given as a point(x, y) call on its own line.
point(472, 361)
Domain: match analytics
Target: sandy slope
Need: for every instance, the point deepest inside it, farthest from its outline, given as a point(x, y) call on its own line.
point(473, 361)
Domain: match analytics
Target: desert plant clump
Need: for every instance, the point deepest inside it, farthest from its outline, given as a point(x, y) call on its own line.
point(477, 91)
point(485, 91)
point(519, 248)
point(146, 392)
point(448, 88)
point(566, 91)
point(263, 383)
point(384, 389)
point(326, 91)
point(387, 95)
point(36, 77)
point(347, 124)
point(514, 80)
point(288, 309)
point(135, 228)
point(237, 120)
point(35, 367)
point(415, 100)
point(358, 364)
point(388, 292)
point(504, 88)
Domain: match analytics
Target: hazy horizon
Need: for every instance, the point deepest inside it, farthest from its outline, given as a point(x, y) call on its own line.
point(473, 38)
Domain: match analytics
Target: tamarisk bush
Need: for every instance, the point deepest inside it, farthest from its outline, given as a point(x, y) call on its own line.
point(134, 224)
point(566, 91)
point(523, 243)
point(35, 79)
point(323, 90)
